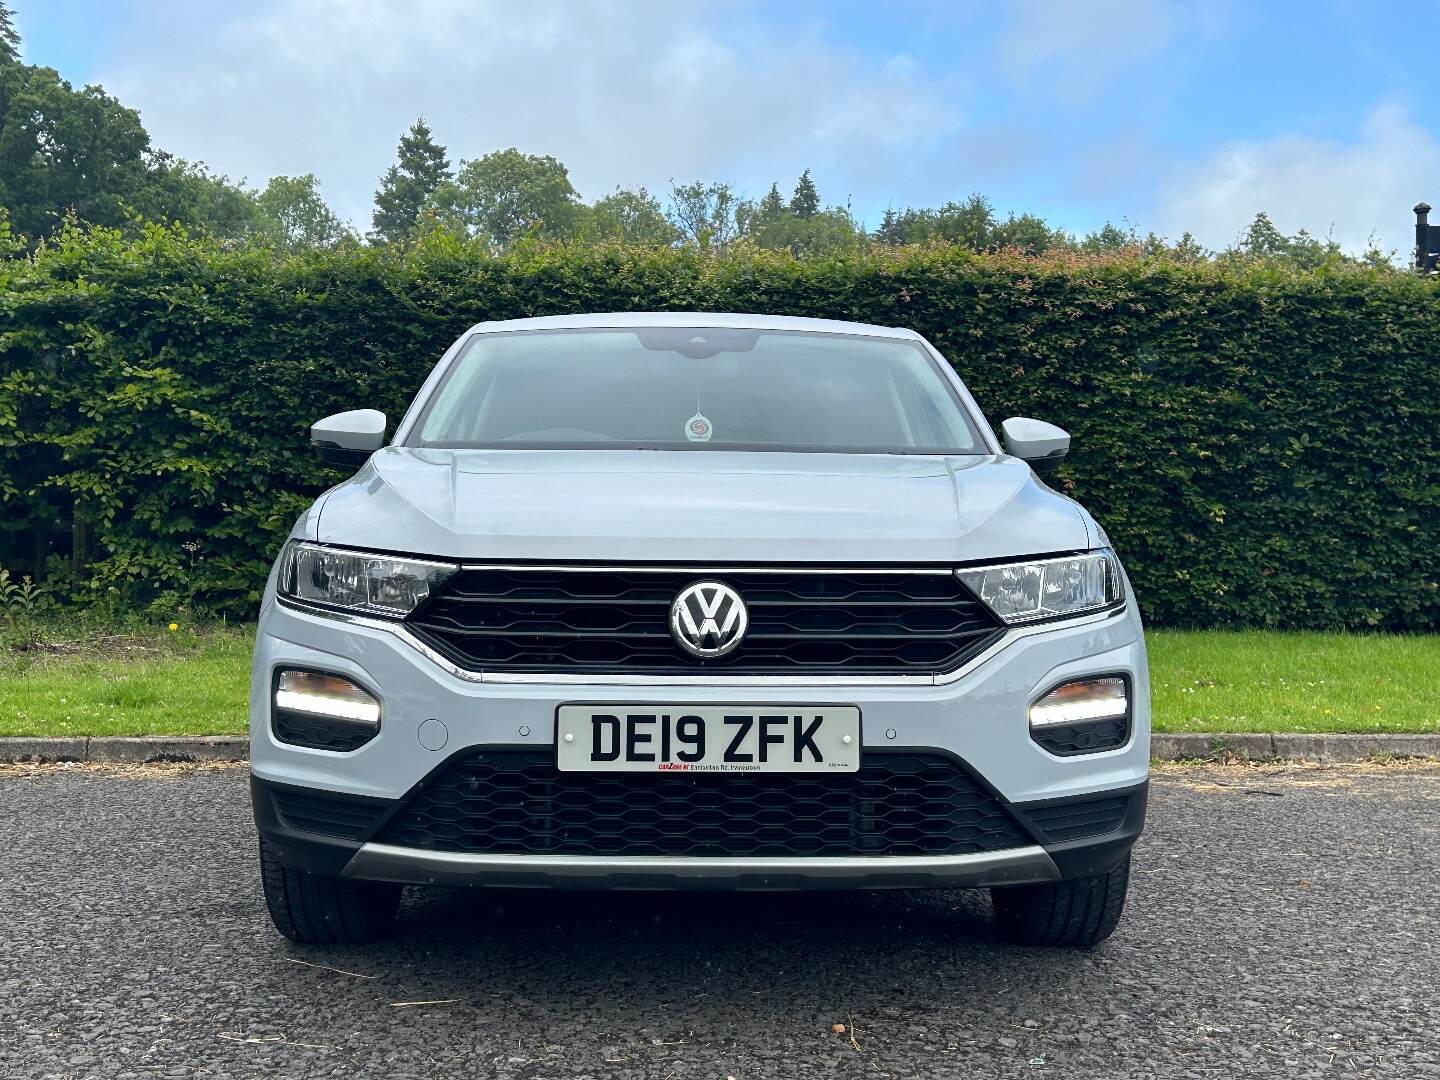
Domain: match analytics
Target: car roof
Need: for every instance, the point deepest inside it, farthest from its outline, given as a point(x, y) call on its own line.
point(694, 319)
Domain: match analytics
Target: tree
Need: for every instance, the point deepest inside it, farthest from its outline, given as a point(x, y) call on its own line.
point(1028, 233)
point(9, 37)
point(773, 205)
point(806, 200)
point(1263, 240)
point(1189, 249)
point(1109, 237)
point(631, 215)
point(65, 150)
point(297, 216)
point(832, 229)
point(892, 228)
point(756, 219)
point(800, 227)
point(506, 195)
point(706, 215)
point(970, 224)
point(420, 168)
point(176, 190)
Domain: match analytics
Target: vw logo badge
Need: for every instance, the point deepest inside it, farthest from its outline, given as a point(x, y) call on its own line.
point(708, 619)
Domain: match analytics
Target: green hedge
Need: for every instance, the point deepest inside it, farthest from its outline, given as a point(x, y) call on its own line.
point(1263, 445)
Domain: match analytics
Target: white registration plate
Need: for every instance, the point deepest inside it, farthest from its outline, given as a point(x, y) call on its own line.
point(707, 738)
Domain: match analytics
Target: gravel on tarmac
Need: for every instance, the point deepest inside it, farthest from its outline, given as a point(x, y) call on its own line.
point(1282, 922)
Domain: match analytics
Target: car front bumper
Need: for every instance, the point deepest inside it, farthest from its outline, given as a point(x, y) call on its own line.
point(979, 718)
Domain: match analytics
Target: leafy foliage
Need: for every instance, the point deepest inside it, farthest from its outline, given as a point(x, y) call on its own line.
point(805, 202)
point(9, 37)
point(80, 153)
point(1262, 444)
point(801, 226)
point(971, 224)
point(713, 217)
point(63, 149)
point(706, 216)
point(628, 215)
point(420, 169)
point(296, 214)
point(187, 193)
point(504, 196)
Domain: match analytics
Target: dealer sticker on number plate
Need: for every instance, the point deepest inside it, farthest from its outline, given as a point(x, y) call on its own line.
point(707, 738)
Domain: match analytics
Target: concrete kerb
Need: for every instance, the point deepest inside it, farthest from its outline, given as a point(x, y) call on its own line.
point(1325, 749)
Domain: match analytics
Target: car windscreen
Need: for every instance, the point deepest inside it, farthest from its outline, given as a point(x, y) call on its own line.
point(706, 388)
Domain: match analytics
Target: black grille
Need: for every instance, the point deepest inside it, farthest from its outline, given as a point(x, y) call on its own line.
point(617, 621)
point(327, 812)
point(1068, 740)
point(1072, 819)
point(321, 733)
point(516, 802)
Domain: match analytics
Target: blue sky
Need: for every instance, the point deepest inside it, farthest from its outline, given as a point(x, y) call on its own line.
point(1167, 114)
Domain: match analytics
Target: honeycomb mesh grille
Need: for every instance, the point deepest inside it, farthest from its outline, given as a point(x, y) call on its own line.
point(617, 622)
point(1076, 818)
point(321, 733)
point(327, 812)
point(516, 802)
point(1068, 740)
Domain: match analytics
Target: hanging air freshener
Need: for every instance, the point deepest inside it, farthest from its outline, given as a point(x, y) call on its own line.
point(697, 428)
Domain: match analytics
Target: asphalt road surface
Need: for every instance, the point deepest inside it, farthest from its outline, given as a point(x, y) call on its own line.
point(1281, 923)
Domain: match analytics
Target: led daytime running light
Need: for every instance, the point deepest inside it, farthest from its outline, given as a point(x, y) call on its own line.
point(1082, 702)
point(326, 695)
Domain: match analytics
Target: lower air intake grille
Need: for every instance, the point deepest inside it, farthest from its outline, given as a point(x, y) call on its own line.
point(516, 802)
point(327, 813)
point(1076, 818)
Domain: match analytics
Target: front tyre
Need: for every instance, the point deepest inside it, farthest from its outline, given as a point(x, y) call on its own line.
point(1082, 912)
point(311, 909)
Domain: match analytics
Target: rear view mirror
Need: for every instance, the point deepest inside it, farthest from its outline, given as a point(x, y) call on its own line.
point(349, 438)
point(1043, 446)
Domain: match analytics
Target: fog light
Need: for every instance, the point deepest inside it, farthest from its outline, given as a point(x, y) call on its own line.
point(1083, 717)
point(1081, 701)
point(323, 712)
point(325, 695)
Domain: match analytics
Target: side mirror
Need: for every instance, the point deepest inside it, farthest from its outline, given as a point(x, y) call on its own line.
point(1040, 444)
point(349, 438)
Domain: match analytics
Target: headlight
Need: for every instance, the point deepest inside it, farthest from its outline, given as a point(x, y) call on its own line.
point(1047, 588)
point(356, 581)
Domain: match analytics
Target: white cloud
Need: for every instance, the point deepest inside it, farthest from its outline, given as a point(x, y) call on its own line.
point(1348, 189)
point(623, 92)
point(1084, 44)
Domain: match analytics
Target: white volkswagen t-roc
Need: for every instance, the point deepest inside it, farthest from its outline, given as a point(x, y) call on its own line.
point(689, 600)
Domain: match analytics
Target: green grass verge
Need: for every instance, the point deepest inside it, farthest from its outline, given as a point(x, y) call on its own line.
point(80, 680)
point(1254, 680)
